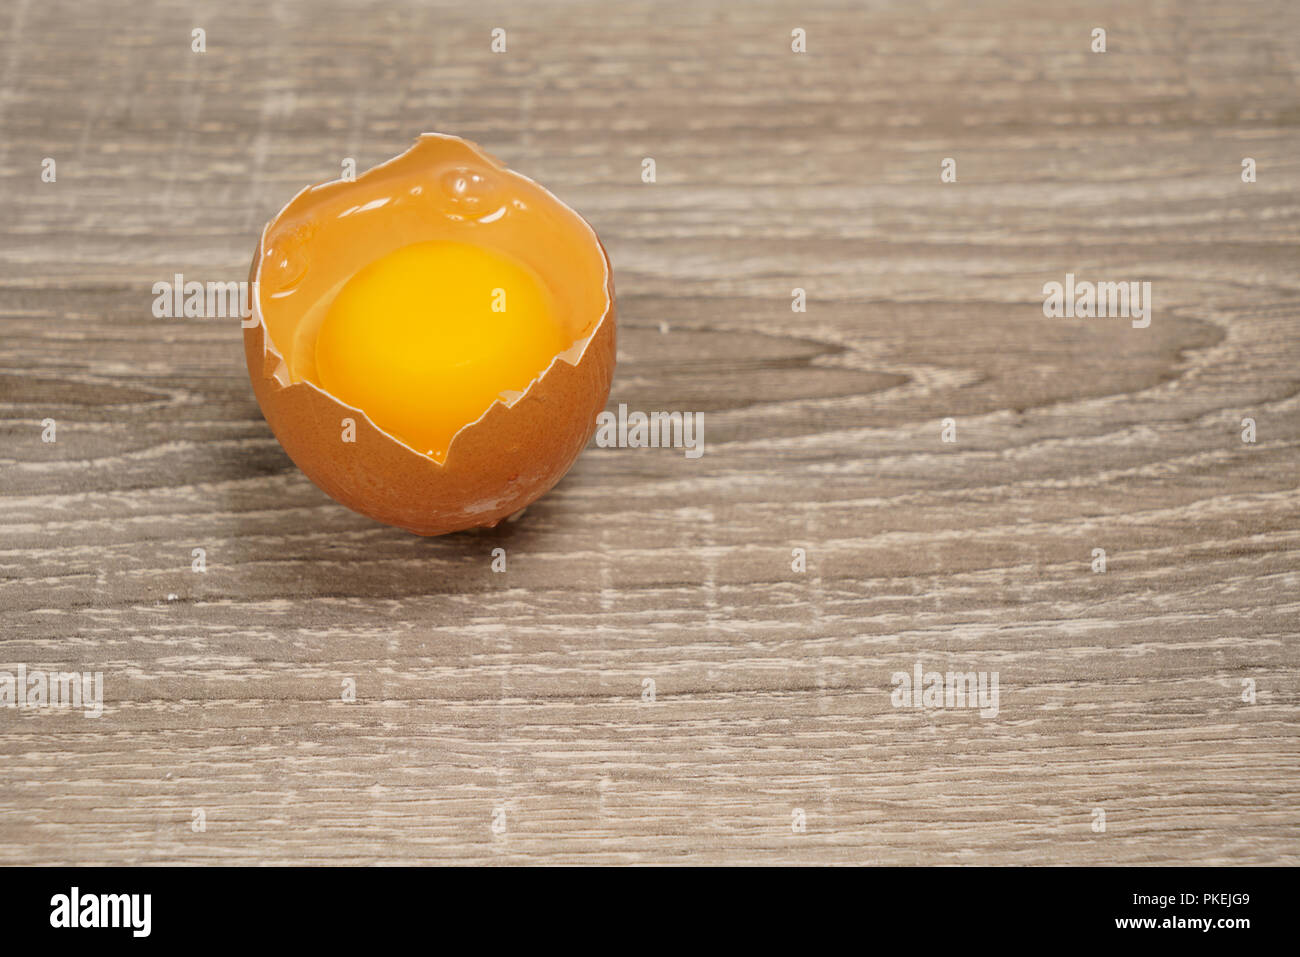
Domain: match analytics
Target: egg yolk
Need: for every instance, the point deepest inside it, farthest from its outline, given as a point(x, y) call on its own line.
point(424, 339)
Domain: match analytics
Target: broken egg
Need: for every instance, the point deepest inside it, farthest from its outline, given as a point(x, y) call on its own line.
point(431, 342)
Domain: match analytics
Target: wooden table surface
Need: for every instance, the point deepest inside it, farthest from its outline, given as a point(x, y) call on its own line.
point(504, 717)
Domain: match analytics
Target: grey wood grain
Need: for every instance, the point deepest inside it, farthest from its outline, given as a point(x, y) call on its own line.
point(521, 692)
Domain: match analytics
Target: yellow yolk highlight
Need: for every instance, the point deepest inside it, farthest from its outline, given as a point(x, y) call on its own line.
point(423, 340)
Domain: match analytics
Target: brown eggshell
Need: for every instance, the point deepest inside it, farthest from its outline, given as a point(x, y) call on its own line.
point(494, 467)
